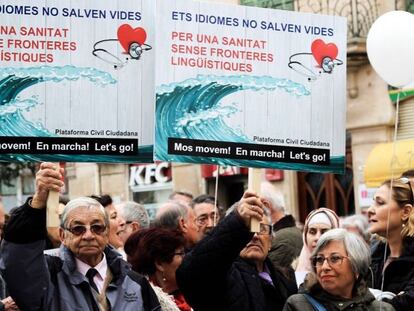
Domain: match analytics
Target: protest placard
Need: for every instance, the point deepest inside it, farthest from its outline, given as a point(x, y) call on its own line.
point(77, 81)
point(248, 86)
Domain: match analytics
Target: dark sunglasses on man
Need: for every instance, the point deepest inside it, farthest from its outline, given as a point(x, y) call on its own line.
point(81, 229)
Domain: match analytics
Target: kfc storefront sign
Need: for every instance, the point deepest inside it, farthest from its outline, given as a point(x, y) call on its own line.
point(157, 174)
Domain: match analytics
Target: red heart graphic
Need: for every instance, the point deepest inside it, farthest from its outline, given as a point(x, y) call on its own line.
point(128, 35)
point(320, 50)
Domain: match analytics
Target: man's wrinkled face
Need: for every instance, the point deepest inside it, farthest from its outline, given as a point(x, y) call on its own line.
point(191, 232)
point(116, 226)
point(206, 215)
point(258, 248)
point(90, 244)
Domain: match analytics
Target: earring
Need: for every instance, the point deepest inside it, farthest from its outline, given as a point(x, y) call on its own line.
point(403, 225)
point(164, 279)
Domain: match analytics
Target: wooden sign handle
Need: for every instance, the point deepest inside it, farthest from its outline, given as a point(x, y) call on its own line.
point(52, 205)
point(254, 183)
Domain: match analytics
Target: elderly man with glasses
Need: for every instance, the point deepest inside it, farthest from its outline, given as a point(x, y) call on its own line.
point(88, 275)
point(206, 213)
point(229, 269)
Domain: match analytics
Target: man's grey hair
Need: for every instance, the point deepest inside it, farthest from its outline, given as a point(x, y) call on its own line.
point(359, 221)
point(170, 213)
point(82, 202)
point(132, 211)
point(358, 251)
point(274, 197)
point(183, 193)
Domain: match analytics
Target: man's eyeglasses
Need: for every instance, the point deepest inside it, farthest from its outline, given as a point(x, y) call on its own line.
point(265, 229)
point(81, 229)
point(406, 180)
point(333, 260)
point(203, 219)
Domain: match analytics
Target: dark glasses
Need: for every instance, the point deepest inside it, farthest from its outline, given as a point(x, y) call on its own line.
point(406, 180)
point(80, 229)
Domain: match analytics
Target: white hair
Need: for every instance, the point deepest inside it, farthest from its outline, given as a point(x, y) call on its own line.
point(132, 211)
point(275, 198)
point(82, 202)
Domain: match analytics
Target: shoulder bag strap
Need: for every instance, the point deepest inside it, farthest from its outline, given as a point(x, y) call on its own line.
point(316, 304)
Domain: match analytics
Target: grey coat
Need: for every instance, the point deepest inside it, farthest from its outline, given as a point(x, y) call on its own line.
point(286, 242)
point(363, 300)
point(42, 282)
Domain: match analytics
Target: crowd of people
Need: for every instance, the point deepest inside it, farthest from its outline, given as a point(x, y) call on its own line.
point(197, 255)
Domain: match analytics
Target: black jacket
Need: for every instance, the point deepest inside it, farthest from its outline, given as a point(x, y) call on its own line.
point(214, 277)
point(398, 276)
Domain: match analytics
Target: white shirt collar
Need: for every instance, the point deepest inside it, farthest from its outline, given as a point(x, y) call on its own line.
point(101, 267)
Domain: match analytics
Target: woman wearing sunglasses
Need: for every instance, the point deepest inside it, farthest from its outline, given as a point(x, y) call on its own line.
point(340, 265)
point(157, 253)
point(391, 216)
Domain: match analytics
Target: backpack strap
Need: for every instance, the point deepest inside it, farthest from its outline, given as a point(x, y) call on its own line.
point(150, 299)
point(315, 304)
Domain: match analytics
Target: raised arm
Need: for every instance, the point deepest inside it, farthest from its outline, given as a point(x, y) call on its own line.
point(23, 265)
point(205, 268)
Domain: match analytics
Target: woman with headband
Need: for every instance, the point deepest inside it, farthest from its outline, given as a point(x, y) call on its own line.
point(391, 216)
point(317, 223)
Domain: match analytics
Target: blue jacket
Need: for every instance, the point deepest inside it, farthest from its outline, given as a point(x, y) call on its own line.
point(42, 282)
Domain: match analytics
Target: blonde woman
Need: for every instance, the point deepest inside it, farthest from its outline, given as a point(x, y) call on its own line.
point(391, 216)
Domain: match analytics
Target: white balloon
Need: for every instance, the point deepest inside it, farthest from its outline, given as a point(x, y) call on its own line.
point(390, 47)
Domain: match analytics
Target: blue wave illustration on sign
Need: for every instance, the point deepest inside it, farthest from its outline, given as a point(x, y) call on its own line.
point(193, 109)
point(13, 81)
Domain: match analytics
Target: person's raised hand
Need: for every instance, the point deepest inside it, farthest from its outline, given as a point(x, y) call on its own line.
point(250, 206)
point(9, 304)
point(49, 177)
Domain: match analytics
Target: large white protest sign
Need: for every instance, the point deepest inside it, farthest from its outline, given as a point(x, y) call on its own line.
point(76, 80)
point(250, 87)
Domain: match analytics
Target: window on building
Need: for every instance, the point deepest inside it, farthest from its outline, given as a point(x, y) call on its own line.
point(28, 184)
point(151, 200)
point(8, 189)
point(409, 4)
point(274, 4)
point(406, 120)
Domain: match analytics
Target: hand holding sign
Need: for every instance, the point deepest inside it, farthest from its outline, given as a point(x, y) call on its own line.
point(48, 178)
point(250, 208)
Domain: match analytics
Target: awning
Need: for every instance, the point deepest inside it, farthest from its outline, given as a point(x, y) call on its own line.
point(378, 164)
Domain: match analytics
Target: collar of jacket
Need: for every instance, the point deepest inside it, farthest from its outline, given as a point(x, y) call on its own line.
point(362, 296)
point(116, 264)
point(407, 254)
point(285, 222)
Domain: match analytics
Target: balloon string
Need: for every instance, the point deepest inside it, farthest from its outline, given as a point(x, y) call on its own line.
point(216, 195)
point(392, 166)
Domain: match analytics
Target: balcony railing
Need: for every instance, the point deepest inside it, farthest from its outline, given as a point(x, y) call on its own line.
point(360, 13)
